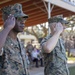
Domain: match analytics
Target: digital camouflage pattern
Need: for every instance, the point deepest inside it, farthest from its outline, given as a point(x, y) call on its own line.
point(57, 19)
point(15, 58)
point(15, 10)
point(56, 61)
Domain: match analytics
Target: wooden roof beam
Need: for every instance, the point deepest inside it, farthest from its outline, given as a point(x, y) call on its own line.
point(35, 13)
point(29, 3)
point(41, 18)
point(4, 1)
point(32, 6)
point(30, 10)
point(61, 13)
point(33, 9)
point(40, 21)
point(12, 2)
point(41, 13)
point(35, 23)
point(32, 15)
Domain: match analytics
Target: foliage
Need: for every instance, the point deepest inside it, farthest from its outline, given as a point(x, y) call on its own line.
point(71, 25)
point(39, 31)
point(71, 58)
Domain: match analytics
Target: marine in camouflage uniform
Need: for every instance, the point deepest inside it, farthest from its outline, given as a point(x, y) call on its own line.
point(55, 62)
point(14, 58)
point(13, 52)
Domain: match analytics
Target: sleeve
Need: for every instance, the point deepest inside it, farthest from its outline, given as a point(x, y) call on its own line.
point(1, 53)
point(43, 42)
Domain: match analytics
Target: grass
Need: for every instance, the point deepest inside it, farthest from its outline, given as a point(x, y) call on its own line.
point(72, 70)
point(71, 58)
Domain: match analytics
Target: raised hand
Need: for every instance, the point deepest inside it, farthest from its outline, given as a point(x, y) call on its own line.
point(10, 22)
point(59, 28)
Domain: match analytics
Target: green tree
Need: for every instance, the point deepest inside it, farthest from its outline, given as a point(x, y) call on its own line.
point(39, 31)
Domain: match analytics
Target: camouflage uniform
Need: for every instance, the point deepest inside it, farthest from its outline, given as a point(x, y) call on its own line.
point(55, 62)
point(14, 55)
point(14, 58)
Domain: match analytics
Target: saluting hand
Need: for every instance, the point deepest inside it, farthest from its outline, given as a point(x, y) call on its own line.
point(10, 22)
point(59, 28)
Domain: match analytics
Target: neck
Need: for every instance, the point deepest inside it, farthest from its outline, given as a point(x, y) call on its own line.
point(13, 34)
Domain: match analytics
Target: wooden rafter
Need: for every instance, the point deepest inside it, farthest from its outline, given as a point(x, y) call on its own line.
point(35, 9)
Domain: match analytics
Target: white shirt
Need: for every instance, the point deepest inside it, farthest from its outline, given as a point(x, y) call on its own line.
point(35, 54)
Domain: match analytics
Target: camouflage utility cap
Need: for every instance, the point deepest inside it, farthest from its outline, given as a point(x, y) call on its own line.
point(57, 19)
point(15, 10)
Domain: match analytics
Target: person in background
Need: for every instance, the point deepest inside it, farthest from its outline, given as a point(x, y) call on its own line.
point(67, 45)
point(55, 60)
point(12, 51)
point(29, 49)
point(36, 57)
point(74, 41)
point(72, 46)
